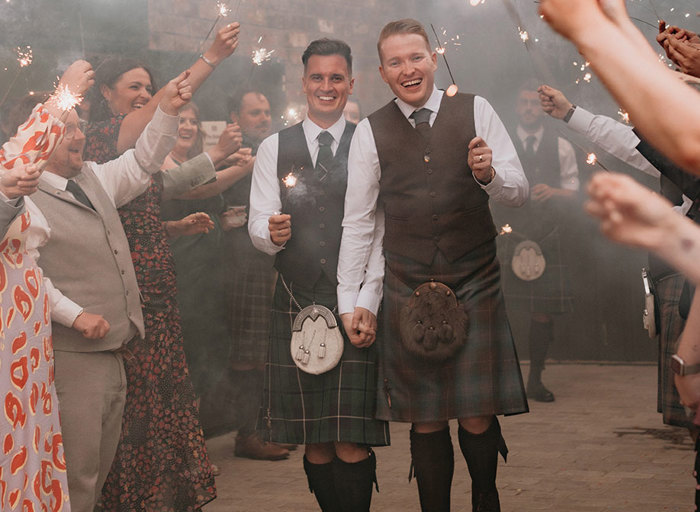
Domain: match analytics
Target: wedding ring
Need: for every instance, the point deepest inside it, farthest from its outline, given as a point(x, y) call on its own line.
point(481, 158)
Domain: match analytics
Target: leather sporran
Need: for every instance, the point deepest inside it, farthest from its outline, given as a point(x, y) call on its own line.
point(432, 324)
point(317, 344)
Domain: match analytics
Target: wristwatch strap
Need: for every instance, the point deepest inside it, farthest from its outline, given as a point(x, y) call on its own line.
point(570, 113)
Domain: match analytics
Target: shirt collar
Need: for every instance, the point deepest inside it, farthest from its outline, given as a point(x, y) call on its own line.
point(54, 180)
point(312, 130)
point(523, 135)
point(432, 104)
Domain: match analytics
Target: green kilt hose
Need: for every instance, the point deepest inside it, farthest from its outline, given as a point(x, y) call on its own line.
point(302, 408)
point(668, 292)
point(482, 379)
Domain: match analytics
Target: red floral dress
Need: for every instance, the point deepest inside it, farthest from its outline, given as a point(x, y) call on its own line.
point(161, 462)
point(32, 465)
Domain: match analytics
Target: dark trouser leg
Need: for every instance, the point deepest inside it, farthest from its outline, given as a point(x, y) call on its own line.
point(433, 462)
point(481, 453)
point(249, 384)
point(541, 334)
point(322, 485)
point(353, 483)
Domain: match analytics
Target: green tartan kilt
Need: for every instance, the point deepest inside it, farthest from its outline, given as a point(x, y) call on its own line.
point(483, 378)
point(302, 408)
point(668, 292)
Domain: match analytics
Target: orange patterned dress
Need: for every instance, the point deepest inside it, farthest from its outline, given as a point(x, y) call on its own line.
point(32, 465)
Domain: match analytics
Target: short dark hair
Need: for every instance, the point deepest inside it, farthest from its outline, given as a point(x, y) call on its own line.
point(529, 85)
point(327, 46)
point(404, 26)
point(235, 101)
point(108, 73)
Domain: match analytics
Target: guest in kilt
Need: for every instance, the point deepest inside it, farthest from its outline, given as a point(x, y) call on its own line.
point(549, 162)
point(421, 171)
point(302, 172)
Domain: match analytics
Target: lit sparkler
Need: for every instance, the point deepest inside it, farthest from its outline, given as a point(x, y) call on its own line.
point(524, 36)
point(293, 115)
point(25, 56)
point(64, 99)
point(587, 76)
point(222, 11)
point(591, 159)
point(261, 54)
point(452, 89)
point(506, 230)
point(290, 180)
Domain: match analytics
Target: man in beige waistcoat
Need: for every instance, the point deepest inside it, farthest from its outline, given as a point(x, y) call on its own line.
point(78, 239)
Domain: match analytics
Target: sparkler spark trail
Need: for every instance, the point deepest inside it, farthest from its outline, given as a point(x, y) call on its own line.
point(452, 89)
point(506, 230)
point(524, 36)
point(64, 99)
point(222, 11)
point(25, 56)
point(624, 115)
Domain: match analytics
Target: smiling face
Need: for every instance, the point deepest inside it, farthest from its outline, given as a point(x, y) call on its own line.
point(530, 114)
point(327, 84)
point(408, 66)
point(187, 130)
point(67, 159)
point(131, 91)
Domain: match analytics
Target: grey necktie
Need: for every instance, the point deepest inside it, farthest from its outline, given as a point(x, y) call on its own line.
point(422, 119)
point(325, 155)
point(78, 193)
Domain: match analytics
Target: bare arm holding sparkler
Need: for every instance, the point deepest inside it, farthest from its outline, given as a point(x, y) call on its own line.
point(77, 79)
point(685, 54)
point(224, 45)
point(673, 32)
point(664, 110)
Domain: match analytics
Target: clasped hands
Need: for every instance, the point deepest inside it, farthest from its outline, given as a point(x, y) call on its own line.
point(360, 326)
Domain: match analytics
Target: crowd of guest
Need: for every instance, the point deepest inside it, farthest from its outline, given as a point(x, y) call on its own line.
point(136, 288)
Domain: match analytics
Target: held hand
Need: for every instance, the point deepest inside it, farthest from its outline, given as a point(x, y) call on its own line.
point(193, 224)
point(20, 181)
point(93, 327)
point(628, 212)
point(178, 93)
point(554, 102)
point(685, 55)
point(242, 158)
point(225, 43)
point(479, 160)
point(280, 227)
point(78, 78)
point(361, 327)
point(229, 142)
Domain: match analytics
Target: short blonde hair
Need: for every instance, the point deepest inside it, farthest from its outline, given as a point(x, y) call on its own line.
point(404, 26)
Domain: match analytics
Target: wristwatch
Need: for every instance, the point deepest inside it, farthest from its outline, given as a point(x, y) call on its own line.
point(570, 113)
point(680, 368)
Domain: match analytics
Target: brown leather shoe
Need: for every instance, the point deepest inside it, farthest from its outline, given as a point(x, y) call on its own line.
point(286, 446)
point(252, 447)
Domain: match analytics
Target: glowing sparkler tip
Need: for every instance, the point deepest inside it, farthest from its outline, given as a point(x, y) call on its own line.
point(506, 230)
point(524, 36)
point(452, 90)
point(222, 9)
point(290, 180)
point(624, 115)
point(591, 159)
point(474, 3)
point(25, 56)
point(261, 55)
point(440, 50)
point(64, 99)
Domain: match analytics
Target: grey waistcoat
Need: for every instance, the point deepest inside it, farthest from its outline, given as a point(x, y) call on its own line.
point(88, 259)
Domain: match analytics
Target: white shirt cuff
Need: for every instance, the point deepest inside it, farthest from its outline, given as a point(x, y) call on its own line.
point(580, 120)
point(65, 312)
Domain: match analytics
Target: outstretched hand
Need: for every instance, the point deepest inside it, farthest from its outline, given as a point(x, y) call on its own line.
point(177, 94)
point(225, 43)
point(553, 102)
point(20, 181)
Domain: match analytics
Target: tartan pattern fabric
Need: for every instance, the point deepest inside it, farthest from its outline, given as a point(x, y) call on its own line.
point(482, 379)
point(668, 292)
point(301, 408)
point(550, 293)
point(249, 283)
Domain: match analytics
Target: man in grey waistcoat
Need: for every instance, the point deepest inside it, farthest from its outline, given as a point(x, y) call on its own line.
point(91, 285)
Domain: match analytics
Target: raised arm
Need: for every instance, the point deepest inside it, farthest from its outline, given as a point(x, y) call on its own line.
point(225, 43)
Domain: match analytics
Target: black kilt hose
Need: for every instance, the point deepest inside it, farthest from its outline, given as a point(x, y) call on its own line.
point(482, 379)
point(302, 408)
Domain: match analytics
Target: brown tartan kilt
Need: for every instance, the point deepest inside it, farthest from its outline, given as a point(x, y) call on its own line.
point(668, 293)
point(250, 280)
point(301, 408)
point(482, 379)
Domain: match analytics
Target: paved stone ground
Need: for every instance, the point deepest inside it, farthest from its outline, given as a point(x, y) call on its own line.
point(600, 447)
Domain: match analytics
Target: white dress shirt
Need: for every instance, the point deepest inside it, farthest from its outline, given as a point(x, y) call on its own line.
point(363, 225)
point(123, 179)
point(265, 198)
point(568, 168)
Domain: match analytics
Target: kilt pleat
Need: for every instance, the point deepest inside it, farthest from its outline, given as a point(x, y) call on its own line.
point(482, 379)
point(250, 279)
point(668, 292)
point(301, 408)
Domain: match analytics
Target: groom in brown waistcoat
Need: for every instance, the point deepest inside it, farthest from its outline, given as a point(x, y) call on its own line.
point(421, 172)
